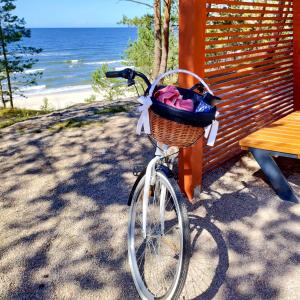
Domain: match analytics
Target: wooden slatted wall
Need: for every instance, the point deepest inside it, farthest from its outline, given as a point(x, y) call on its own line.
point(249, 63)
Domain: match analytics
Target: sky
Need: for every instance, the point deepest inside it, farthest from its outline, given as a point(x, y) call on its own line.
point(76, 13)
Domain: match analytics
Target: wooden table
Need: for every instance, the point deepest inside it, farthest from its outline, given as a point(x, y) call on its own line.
point(281, 138)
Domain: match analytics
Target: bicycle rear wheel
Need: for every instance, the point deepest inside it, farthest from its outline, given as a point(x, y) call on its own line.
point(159, 263)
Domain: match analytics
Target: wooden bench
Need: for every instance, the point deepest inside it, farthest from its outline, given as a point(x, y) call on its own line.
point(281, 138)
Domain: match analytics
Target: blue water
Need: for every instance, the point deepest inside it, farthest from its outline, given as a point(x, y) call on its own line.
point(70, 55)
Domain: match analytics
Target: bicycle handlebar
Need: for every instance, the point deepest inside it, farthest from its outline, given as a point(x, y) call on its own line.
point(128, 74)
point(113, 74)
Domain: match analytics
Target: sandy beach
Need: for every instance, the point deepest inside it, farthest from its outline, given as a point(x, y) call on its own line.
point(56, 100)
point(61, 100)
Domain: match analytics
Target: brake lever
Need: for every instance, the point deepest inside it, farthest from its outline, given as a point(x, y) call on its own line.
point(130, 82)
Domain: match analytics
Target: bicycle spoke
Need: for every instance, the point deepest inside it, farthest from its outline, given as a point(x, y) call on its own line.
point(158, 257)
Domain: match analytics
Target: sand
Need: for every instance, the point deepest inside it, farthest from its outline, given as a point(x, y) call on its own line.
point(60, 100)
point(63, 218)
point(57, 100)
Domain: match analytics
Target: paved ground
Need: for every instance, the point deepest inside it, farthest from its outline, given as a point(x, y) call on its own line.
point(63, 218)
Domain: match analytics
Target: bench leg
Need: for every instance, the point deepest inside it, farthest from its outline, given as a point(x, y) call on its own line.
point(274, 175)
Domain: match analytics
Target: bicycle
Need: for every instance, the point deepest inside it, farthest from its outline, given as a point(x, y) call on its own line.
point(159, 246)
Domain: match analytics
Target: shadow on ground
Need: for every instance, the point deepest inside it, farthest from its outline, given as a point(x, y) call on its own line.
point(64, 214)
point(64, 220)
point(261, 233)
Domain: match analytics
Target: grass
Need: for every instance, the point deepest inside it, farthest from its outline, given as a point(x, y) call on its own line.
point(11, 116)
point(74, 123)
point(112, 109)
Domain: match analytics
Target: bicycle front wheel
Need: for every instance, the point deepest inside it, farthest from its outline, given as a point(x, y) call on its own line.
point(159, 263)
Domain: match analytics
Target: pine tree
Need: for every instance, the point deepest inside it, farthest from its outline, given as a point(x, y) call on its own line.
point(154, 50)
point(15, 58)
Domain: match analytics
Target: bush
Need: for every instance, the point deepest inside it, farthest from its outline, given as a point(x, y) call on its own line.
point(91, 99)
point(46, 107)
point(103, 85)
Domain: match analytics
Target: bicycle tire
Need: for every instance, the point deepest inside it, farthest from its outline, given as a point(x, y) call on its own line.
point(179, 205)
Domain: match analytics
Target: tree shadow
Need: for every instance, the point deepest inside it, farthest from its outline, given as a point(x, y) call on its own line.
point(262, 232)
point(63, 220)
point(209, 261)
point(64, 211)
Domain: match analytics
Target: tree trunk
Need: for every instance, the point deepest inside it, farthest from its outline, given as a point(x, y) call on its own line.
point(6, 67)
point(158, 38)
point(2, 96)
point(166, 35)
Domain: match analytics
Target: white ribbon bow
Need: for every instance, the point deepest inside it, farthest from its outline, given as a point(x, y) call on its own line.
point(144, 121)
point(211, 132)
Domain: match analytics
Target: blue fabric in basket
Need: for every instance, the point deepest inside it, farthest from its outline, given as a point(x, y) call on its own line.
point(203, 107)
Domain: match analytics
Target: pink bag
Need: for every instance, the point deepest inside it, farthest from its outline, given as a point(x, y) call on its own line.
point(170, 95)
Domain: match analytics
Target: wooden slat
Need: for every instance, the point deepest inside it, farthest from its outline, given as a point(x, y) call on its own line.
point(235, 144)
point(250, 102)
point(248, 62)
point(235, 83)
point(286, 62)
point(247, 117)
point(296, 70)
point(233, 55)
point(249, 112)
point(229, 98)
point(248, 46)
point(249, 32)
point(248, 3)
point(222, 19)
point(259, 91)
point(249, 59)
point(239, 26)
point(274, 140)
point(230, 141)
point(254, 117)
point(268, 62)
point(248, 82)
point(250, 39)
point(246, 11)
point(239, 133)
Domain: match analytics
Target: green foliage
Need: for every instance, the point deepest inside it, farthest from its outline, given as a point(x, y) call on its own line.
point(11, 116)
point(146, 20)
point(74, 123)
point(112, 109)
point(103, 85)
point(15, 58)
point(140, 53)
point(46, 107)
point(90, 99)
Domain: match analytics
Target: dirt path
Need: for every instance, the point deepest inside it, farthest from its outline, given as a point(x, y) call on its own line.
point(63, 217)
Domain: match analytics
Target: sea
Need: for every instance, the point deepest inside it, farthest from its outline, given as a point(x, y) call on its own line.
point(71, 55)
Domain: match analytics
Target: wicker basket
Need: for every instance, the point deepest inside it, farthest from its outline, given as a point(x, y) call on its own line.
point(169, 132)
point(172, 133)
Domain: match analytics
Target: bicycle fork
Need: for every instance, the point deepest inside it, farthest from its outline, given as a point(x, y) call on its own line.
point(150, 178)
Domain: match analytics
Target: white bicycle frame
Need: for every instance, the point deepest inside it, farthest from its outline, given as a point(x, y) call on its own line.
point(150, 178)
point(151, 168)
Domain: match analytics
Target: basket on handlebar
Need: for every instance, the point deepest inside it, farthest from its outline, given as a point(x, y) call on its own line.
point(175, 127)
point(172, 133)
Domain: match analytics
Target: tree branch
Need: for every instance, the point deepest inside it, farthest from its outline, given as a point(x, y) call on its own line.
point(139, 2)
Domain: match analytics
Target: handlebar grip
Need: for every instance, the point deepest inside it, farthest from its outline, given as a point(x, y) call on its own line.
point(114, 74)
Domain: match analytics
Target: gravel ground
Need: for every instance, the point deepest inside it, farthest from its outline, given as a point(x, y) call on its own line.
point(63, 217)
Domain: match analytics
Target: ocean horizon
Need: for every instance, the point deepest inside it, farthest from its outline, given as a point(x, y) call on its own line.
point(71, 55)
